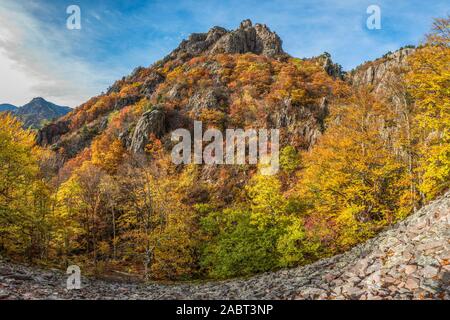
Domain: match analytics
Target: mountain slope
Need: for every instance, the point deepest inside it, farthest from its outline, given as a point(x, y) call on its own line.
point(225, 78)
point(37, 111)
point(411, 260)
point(7, 107)
point(350, 161)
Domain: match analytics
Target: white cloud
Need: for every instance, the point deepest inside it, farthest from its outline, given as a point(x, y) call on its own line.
point(37, 60)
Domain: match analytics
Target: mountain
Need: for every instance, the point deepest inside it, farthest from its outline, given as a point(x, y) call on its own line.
point(207, 74)
point(7, 107)
point(37, 112)
point(351, 158)
point(226, 78)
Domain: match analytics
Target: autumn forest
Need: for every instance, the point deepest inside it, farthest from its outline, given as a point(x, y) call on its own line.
point(98, 188)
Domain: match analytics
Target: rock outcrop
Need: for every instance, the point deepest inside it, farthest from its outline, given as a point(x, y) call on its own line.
point(209, 98)
point(379, 72)
point(258, 39)
point(333, 69)
point(305, 122)
point(411, 260)
point(150, 83)
point(49, 134)
point(151, 122)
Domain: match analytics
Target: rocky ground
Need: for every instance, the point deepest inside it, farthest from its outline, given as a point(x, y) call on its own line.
point(408, 261)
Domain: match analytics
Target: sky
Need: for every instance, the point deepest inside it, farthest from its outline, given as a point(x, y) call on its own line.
point(40, 56)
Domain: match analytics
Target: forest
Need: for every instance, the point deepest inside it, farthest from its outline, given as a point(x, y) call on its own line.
point(92, 202)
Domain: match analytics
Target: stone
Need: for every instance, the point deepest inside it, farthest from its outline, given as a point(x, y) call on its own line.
point(151, 83)
point(210, 98)
point(431, 245)
point(426, 260)
point(3, 294)
point(429, 272)
point(412, 284)
point(151, 122)
point(409, 269)
point(353, 292)
point(51, 133)
point(389, 280)
point(381, 71)
point(248, 38)
point(361, 266)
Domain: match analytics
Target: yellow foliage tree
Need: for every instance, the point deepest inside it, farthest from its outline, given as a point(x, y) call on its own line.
point(24, 197)
point(429, 84)
point(353, 178)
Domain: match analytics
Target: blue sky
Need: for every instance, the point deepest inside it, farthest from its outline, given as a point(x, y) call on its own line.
point(39, 56)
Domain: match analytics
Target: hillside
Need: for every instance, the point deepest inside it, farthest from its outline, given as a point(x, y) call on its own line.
point(36, 113)
point(411, 260)
point(224, 78)
point(358, 152)
point(7, 107)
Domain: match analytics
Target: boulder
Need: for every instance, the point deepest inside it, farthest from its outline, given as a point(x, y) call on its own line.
point(151, 122)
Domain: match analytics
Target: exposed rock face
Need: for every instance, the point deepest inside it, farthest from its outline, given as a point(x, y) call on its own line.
point(379, 72)
point(333, 69)
point(209, 98)
point(75, 141)
point(409, 261)
point(301, 122)
point(258, 39)
point(151, 122)
point(52, 132)
point(150, 84)
point(127, 101)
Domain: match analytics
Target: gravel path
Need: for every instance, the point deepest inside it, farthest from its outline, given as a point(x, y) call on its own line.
point(408, 261)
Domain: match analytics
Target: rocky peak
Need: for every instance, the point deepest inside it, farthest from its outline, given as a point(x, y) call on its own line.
point(332, 69)
point(258, 39)
point(247, 23)
point(38, 110)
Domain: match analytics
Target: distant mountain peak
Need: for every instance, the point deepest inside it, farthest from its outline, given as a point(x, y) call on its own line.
point(38, 99)
point(36, 112)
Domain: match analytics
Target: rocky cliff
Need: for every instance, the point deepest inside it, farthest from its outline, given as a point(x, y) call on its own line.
point(379, 72)
point(411, 260)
